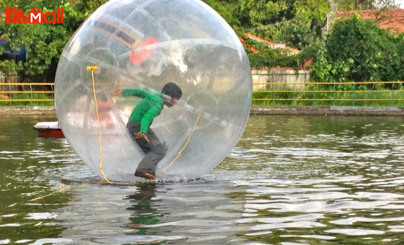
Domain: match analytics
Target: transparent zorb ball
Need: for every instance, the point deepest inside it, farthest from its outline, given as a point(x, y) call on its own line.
point(146, 44)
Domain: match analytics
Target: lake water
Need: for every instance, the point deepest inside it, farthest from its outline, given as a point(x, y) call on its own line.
point(290, 180)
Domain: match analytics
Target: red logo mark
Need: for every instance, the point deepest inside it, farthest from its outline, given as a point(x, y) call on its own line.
point(35, 16)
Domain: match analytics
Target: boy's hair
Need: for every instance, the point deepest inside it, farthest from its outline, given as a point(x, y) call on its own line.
point(172, 89)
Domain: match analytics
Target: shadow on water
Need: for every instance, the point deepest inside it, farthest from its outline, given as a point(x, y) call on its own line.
point(290, 180)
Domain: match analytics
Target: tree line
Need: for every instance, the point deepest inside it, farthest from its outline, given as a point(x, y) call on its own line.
point(352, 49)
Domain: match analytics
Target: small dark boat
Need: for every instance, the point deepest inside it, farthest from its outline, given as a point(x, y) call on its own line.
point(49, 130)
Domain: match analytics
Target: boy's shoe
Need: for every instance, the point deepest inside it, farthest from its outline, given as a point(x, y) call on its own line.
point(145, 175)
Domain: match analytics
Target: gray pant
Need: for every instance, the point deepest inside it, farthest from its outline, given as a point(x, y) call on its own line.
point(154, 150)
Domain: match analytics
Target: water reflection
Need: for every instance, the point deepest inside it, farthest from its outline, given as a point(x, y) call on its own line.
point(142, 212)
point(322, 179)
point(290, 180)
point(202, 212)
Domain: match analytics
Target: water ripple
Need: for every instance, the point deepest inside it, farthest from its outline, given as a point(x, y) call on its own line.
point(290, 180)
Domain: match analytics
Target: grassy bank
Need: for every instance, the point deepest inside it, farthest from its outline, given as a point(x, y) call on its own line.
point(275, 97)
point(28, 100)
point(324, 97)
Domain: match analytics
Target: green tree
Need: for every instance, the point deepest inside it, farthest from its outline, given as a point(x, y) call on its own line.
point(400, 60)
point(358, 50)
point(305, 28)
point(44, 43)
point(297, 23)
point(345, 5)
point(227, 9)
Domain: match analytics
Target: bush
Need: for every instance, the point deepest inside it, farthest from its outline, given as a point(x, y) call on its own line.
point(358, 50)
point(44, 43)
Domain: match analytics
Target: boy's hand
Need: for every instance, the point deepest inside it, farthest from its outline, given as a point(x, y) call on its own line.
point(116, 92)
point(141, 135)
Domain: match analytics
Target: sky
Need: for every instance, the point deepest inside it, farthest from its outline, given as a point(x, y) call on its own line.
point(401, 3)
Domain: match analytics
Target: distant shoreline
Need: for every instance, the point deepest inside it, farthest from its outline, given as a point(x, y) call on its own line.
point(28, 110)
point(255, 110)
point(328, 110)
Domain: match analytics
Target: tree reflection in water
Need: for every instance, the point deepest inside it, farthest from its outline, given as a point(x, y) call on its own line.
point(143, 212)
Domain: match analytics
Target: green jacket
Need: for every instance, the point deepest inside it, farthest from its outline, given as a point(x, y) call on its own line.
point(147, 109)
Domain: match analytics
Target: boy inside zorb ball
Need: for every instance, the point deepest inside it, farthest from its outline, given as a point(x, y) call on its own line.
point(110, 90)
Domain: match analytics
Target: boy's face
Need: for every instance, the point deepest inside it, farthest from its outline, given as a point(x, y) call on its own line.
point(172, 101)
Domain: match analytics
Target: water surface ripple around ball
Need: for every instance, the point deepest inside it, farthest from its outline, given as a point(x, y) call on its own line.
point(146, 44)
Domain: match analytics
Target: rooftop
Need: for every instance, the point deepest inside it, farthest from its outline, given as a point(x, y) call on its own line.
point(391, 19)
point(272, 44)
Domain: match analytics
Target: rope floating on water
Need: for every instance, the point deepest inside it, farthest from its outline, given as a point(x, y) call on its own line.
point(64, 186)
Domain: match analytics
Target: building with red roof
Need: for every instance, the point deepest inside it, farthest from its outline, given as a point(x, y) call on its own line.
point(390, 19)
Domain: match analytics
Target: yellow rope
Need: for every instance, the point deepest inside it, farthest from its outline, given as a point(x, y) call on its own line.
point(185, 145)
point(92, 69)
point(63, 186)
